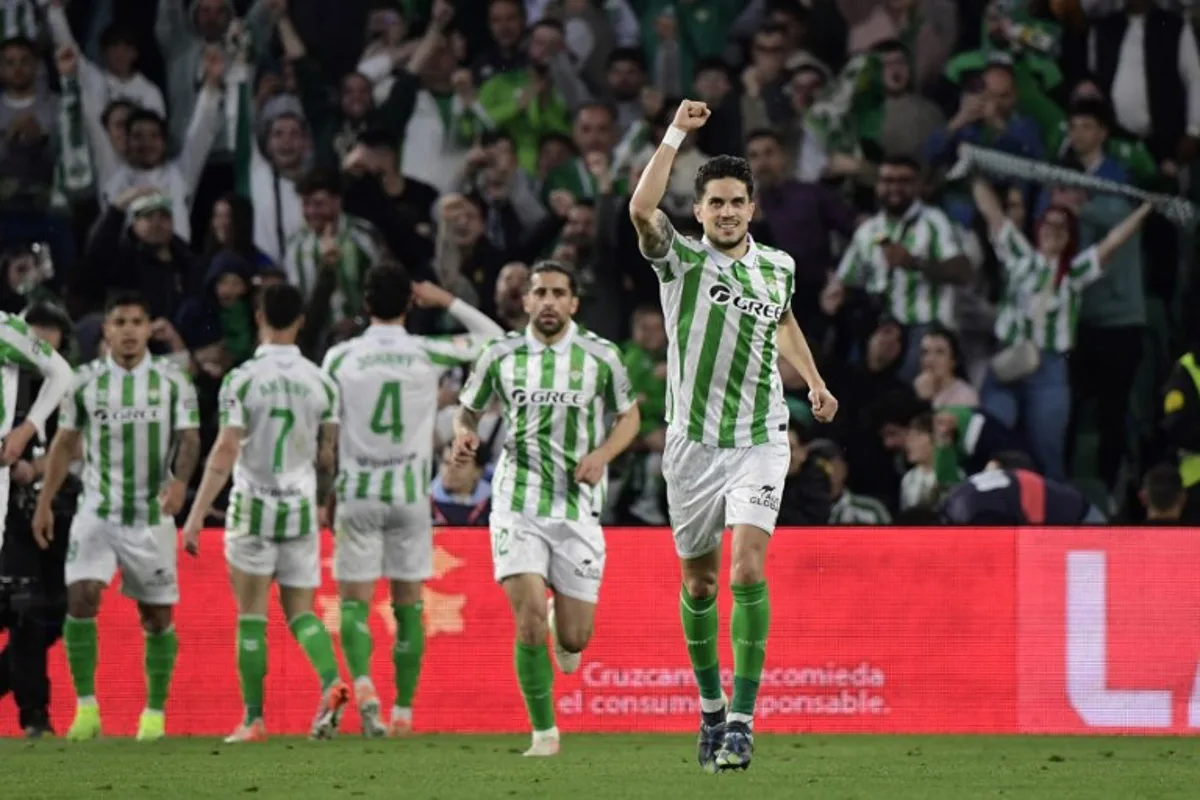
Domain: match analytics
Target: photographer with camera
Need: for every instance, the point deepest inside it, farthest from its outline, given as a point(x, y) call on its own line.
point(33, 598)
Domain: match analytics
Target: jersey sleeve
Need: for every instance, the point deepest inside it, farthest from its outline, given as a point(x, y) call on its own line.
point(1012, 248)
point(855, 268)
point(187, 406)
point(683, 254)
point(1085, 269)
point(453, 351)
point(231, 401)
point(481, 385)
point(72, 413)
point(20, 346)
point(618, 394)
point(943, 238)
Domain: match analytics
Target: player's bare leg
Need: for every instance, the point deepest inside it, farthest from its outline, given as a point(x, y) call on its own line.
point(570, 623)
point(312, 637)
point(80, 642)
point(356, 649)
point(161, 648)
point(527, 597)
point(748, 629)
point(701, 624)
point(252, 593)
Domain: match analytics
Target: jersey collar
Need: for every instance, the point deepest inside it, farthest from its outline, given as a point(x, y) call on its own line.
point(725, 262)
point(536, 345)
point(393, 330)
point(280, 349)
point(142, 366)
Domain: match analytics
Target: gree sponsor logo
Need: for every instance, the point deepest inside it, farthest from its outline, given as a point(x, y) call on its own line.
point(118, 416)
point(722, 295)
point(548, 397)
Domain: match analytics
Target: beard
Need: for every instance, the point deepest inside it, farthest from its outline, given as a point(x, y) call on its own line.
point(727, 238)
point(548, 326)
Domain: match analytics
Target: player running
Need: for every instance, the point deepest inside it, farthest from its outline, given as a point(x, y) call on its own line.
point(727, 302)
point(127, 410)
point(388, 383)
point(556, 382)
point(279, 414)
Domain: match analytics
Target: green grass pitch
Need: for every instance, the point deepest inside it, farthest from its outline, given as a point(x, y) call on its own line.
point(609, 766)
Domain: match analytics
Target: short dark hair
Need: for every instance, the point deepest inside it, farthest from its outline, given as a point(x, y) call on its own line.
point(121, 298)
point(387, 291)
point(1163, 487)
point(116, 34)
point(19, 41)
point(496, 136)
point(554, 137)
point(1093, 107)
point(633, 55)
point(764, 133)
point(594, 104)
point(49, 315)
point(114, 106)
point(378, 139)
point(140, 115)
point(922, 422)
point(720, 167)
point(900, 160)
point(717, 63)
point(891, 46)
point(546, 267)
point(1015, 459)
point(320, 179)
point(549, 22)
point(282, 305)
point(648, 308)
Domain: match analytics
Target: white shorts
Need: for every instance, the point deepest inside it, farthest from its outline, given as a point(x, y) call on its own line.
point(568, 554)
point(710, 489)
point(145, 554)
point(375, 540)
point(293, 563)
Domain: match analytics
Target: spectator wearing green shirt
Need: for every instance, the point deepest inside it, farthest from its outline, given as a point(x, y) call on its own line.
point(531, 102)
point(593, 130)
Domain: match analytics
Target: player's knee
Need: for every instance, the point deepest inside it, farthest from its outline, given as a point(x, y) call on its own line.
point(700, 585)
point(574, 638)
point(531, 626)
point(155, 619)
point(745, 571)
point(83, 599)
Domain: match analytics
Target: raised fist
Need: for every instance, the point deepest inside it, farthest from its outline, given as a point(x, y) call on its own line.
point(691, 115)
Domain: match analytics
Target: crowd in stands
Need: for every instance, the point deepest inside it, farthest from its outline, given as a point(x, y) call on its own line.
point(197, 150)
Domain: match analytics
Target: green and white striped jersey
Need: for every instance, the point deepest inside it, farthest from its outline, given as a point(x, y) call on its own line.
point(723, 384)
point(279, 399)
point(1031, 306)
point(555, 398)
point(359, 244)
point(20, 348)
point(388, 382)
point(927, 233)
point(858, 509)
point(127, 419)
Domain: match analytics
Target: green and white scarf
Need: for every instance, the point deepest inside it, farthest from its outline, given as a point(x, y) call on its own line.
point(1002, 165)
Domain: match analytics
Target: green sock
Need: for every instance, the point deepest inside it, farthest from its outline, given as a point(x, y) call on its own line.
point(748, 629)
point(407, 651)
point(356, 638)
point(313, 637)
point(79, 639)
point(160, 664)
point(252, 663)
point(536, 678)
point(700, 627)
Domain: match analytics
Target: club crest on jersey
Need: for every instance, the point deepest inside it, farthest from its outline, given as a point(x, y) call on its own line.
point(548, 397)
point(722, 295)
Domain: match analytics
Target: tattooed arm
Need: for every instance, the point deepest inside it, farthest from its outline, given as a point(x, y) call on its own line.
point(187, 458)
point(326, 461)
point(653, 228)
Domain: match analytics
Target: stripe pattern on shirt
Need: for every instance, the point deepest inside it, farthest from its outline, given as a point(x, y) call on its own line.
point(127, 419)
point(723, 384)
point(555, 399)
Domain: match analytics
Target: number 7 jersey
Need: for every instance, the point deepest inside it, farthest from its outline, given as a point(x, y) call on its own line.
point(388, 382)
point(279, 399)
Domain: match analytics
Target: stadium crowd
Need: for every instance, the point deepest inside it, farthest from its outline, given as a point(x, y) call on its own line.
point(202, 151)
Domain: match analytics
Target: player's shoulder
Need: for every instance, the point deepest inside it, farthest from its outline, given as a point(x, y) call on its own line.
point(168, 368)
point(935, 215)
point(337, 354)
point(598, 346)
point(88, 372)
point(503, 345)
point(776, 258)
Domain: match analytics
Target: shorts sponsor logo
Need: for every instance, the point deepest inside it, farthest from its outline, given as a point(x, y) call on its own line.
point(588, 570)
point(160, 579)
point(118, 416)
point(765, 496)
point(722, 295)
point(549, 397)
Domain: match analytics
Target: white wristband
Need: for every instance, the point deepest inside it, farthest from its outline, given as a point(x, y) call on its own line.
point(674, 137)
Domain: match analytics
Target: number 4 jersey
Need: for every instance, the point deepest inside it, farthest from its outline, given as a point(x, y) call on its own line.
point(388, 380)
point(280, 399)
